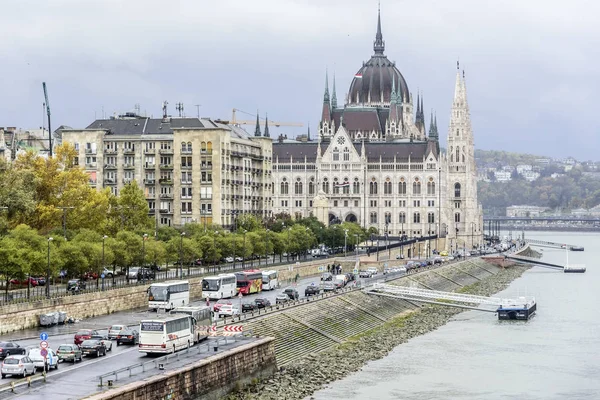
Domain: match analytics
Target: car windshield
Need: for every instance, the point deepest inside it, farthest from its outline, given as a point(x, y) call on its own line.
point(117, 327)
point(35, 353)
point(90, 343)
point(158, 293)
point(3, 344)
point(65, 348)
point(83, 333)
point(223, 302)
point(210, 284)
point(11, 361)
point(133, 270)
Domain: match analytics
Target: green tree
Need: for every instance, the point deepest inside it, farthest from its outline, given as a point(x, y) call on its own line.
point(132, 209)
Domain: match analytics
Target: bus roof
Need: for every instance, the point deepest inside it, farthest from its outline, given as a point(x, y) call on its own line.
point(269, 272)
point(220, 276)
point(249, 271)
point(190, 308)
point(169, 283)
point(165, 318)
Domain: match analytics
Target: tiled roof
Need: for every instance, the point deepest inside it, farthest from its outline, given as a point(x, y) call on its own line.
point(148, 126)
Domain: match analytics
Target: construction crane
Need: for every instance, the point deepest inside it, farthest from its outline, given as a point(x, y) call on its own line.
point(235, 121)
point(48, 114)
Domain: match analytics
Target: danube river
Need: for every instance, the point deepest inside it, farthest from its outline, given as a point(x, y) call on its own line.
point(555, 355)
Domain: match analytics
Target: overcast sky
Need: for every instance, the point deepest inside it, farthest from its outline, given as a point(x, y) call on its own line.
point(531, 66)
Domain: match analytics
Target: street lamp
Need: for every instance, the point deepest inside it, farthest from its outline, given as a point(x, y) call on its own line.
point(144, 238)
point(48, 270)
point(181, 255)
point(267, 247)
point(345, 240)
point(215, 251)
point(472, 226)
point(288, 244)
point(244, 251)
point(113, 274)
point(356, 235)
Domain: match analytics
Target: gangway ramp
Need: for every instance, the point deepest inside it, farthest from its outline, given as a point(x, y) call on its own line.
point(460, 300)
point(555, 245)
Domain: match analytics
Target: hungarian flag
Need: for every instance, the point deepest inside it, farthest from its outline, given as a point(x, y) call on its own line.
point(358, 75)
point(343, 184)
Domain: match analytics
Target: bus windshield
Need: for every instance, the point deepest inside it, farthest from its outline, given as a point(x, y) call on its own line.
point(158, 293)
point(211, 284)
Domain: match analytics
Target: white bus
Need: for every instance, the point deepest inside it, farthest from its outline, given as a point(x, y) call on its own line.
point(167, 334)
point(201, 316)
point(168, 295)
point(269, 280)
point(223, 286)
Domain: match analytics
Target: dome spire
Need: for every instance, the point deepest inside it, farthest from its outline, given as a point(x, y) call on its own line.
point(333, 95)
point(379, 44)
point(326, 95)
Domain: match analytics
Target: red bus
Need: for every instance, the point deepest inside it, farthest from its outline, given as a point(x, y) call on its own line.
point(249, 281)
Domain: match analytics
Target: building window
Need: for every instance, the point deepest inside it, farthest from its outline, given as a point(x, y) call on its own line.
point(356, 186)
point(457, 217)
point(298, 186)
point(336, 186)
point(186, 193)
point(345, 203)
point(355, 203)
point(417, 218)
point(284, 187)
point(402, 203)
point(284, 203)
point(346, 186)
point(416, 188)
point(186, 161)
point(336, 154)
point(186, 207)
point(311, 187)
point(335, 203)
point(431, 188)
point(402, 218)
point(431, 218)
point(346, 154)
point(416, 203)
point(388, 218)
point(431, 203)
point(387, 188)
point(373, 203)
point(298, 203)
point(373, 187)
point(457, 154)
point(325, 185)
point(401, 187)
point(457, 189)
point(373, 218)
point(186, 177)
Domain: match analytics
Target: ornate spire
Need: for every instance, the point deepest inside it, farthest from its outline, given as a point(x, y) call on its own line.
point(379, 44)
point(257, 129)
point(393, 96)
point(422, 112)
point(266, 126)
point(326, 95)
point(433, 132)
point(418, 112)
point(308, 133)
point(333, 96)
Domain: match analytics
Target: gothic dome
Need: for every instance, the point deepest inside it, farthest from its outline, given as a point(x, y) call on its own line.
point(372, 84)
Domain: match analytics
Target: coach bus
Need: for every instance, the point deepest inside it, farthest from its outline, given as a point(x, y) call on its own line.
point(167, 334)
point(222, 286)
point(168, 295)
point(201, 315)
point(249, 281)
point(270, 280)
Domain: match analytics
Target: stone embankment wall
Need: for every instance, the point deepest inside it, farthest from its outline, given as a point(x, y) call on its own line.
point(209, 379)
point(311, 369)
point(18, 316)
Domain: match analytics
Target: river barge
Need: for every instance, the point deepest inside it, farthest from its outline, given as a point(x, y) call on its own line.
point(520, 309)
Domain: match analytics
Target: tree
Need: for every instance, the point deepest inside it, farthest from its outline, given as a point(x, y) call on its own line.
point(127, 248)
point(16, 191)
point(130, 209)
point(74, 261)
point(248, 222)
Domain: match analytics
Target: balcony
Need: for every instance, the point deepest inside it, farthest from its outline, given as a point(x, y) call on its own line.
point(149, 151)
point(150, 195)
point(165, 211)
point(151, 211)
point(165, 151)
point(110, 181)
point(92, 182)
point(166, 195)
point(110, 166)
point(166, 181)
point(90, 151)
point(186, 167)
point(149, 181)
point(186, 182)
point(128, 166)
point(150, 166)
point(166, 166)
point(186, 151)
point(91, 165)
point(110, 151)
point(127, 181)
point(129, 151)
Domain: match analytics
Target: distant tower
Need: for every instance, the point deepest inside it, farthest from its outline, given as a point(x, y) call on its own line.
point(257, 129)
point(267, 126)
point(326, 127)
point(465, 214)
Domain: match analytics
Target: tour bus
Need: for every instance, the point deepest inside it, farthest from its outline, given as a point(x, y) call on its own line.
point(222, 286)
point(269, 280)
point(249, 281)
point(167, 334)
point(168, 295)
point(201, 316)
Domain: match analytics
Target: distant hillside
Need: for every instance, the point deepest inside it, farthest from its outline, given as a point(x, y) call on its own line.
point(493, 157)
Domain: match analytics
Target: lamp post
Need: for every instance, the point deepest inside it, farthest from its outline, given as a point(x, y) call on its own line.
point(181, 255)
point(244, 251)
point(472, 226)
point(215, 251)
point(288, 242)
point(267, 247)
point(65, 219)
point(429, 240)
point(345, 241)
point(113, 274)
point(356, 235)
point(144, 238)
point(48, 270)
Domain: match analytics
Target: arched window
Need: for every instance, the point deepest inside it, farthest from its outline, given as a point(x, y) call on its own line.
point(457, 189)
point(209, 147)
point(336, 186)
point(387, 187)
point(325, 185)
point(431, 188)
point(457, 218)
point(402, 218)
point(431, 218)
point(183, 147)
point(336, 154)
point(388, 218)
point(457, 154)
point(203, 147)
point(463, 154)
point(417, 218)
point(346, 154)
point(311, 186)
point(298, 186)
point(284, 187)
point(402, 187)
point(189, 146)
point(373, 187)
point(356, 186)
point(373, 218)
point(416, 188)
point(346, 186)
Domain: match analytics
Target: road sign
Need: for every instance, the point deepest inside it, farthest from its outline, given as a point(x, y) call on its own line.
point(44, 344)
point(321, 268)
point(355, 270)
point(230, 328)
point(44, 352)
point(43, 336)
point(240, 295)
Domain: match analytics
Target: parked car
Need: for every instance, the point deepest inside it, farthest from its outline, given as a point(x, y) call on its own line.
point(350, 277)
point(84, 334)
point(438, 260)
point(249, 306)
point(41, 281)
point(105, 341)
point(292, 293)
point(312, 290)
point(20, 365)
point(339, 283)
point(133, 271)
point(75, 285)
point(326, 276)
point(10, 348)
point(365, 274)
point(93, 347)
point(228, 310)
point(114, 330)
point(145, 274)
point(328, 286)
point(108, 273)
point(90, 275)
point(51, 360)
point(387, 271)
point(228, 259)
point(262, 303)
point(128, 336)
point(220, 303)
point(69, 352)
point(24, 282)
point(372, 270)
point(282, 298)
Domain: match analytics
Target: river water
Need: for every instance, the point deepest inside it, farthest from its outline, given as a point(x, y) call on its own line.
point(555, 355)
